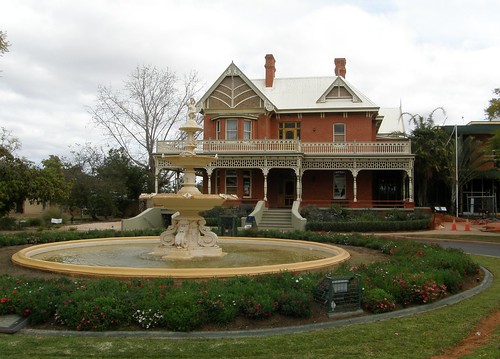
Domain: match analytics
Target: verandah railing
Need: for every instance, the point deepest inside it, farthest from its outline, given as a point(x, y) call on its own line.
point(287, 146)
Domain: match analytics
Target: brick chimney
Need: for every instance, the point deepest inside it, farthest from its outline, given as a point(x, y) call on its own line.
point(340, 67)
point(270, 70)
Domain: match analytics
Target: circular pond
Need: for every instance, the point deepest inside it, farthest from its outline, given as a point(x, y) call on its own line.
point(129, 257)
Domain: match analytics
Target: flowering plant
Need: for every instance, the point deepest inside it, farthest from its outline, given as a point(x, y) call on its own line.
point(377, 300)
point(147, 318)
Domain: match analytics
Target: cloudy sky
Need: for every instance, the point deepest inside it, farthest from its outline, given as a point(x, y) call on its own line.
point(424, 53)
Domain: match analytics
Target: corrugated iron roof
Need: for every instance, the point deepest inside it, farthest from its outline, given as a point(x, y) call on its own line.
point(304, 95)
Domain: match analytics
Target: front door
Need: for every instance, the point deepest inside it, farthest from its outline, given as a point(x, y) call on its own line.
point(287, 193)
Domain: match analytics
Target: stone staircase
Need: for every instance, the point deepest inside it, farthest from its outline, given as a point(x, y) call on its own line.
point(276, 219)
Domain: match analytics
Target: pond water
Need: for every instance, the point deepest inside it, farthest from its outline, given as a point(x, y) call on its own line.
point(137, 256)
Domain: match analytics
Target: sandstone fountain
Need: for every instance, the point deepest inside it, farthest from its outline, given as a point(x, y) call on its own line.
point(188, 237)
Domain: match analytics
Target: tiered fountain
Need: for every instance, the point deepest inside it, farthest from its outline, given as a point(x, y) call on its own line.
point(188, 237)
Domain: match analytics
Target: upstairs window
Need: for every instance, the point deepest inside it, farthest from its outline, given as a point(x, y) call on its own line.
point(231, 129)
point(289, 131)
point(217, 130)
point(247, 130)
point(339, 132)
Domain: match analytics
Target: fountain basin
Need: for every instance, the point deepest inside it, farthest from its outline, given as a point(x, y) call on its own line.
point(193, 161)
point(333, 256)
point(192, 202)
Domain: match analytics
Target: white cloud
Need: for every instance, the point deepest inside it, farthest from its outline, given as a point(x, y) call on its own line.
point(425, 53)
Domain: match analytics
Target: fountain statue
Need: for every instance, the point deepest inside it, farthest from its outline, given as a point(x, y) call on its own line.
point(188, 237)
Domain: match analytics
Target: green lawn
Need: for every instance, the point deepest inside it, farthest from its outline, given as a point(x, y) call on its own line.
point(419, 336)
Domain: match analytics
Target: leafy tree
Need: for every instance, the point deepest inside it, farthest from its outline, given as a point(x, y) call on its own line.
point(49, 183)
point(493, 110)
point(494, 147)
point(471, 162)
point(148, 109)
point(106, 185)
point(431, 148)
point(15, 176)
point(123, 180)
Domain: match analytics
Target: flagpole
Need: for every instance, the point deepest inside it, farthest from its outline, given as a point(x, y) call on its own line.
point(456, 171)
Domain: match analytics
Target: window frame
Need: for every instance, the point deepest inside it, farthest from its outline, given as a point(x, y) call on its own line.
point(231, 174)
point(339, 136)
point(233, 132)
point(247, 132)
point(294, 126)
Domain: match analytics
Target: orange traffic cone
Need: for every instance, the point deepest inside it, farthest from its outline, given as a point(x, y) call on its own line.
point(454, 225)
point(467, 225)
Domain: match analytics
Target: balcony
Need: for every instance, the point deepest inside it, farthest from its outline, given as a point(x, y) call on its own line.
point(278, 147)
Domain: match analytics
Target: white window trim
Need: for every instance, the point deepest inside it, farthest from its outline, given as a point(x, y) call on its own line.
point(334, 134)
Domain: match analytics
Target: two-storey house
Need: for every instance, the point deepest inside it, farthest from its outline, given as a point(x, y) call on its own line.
point(309, 140)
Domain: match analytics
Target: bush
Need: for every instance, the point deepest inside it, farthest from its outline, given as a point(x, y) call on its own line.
point(101, 313)
point(368, 226)
point(148, 318)
point(218, 302)
point(8, 223)
point(183, 313)
point(377, 300)
point(295, 304)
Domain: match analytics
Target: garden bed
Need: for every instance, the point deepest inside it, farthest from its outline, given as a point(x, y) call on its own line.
point(400, 274)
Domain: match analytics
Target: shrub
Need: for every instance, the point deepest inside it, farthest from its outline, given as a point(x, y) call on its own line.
point(218, 302)
point(260, 306)
point(452, 259)
point(148, 318)
point(34, 297)
point(99, 313)
point(417, 289)
point(295, 304)
point(377, 300)
point(7, 223)
point(428, 292)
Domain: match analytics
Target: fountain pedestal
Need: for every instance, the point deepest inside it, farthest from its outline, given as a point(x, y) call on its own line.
point(188, 236)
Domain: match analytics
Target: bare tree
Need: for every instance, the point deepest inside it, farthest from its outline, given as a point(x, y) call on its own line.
point(4, 44)
point(148, 109)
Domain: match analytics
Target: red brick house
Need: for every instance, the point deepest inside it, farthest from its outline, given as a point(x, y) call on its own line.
point(309, 140)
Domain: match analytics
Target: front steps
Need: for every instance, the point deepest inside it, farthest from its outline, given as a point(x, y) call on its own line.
point(276, 219)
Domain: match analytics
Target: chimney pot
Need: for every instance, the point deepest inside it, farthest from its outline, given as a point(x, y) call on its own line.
point(270, 70)
point(340, 67)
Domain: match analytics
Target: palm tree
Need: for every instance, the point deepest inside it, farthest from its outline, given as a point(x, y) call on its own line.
point(471, 161)
point(430, 145)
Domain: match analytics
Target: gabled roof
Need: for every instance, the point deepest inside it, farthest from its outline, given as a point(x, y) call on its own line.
point(392, 121)
point(306, 94)
point(232, 70)
point(309, 94)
